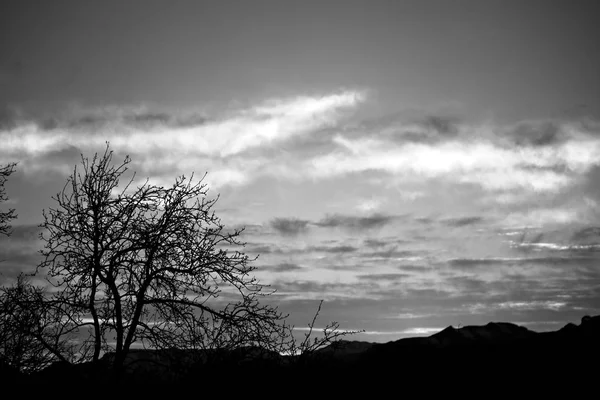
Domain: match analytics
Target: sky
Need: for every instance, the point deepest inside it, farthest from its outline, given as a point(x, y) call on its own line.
point(414, 164)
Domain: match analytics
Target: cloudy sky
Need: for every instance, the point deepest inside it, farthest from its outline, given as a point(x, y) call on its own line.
point(415, 164)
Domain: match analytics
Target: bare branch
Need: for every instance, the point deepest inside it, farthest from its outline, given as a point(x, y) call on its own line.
point(6, 216)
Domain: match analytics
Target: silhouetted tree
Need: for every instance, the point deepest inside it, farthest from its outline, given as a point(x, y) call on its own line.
point(30, 339)
point(151, 266)
point(309, 344)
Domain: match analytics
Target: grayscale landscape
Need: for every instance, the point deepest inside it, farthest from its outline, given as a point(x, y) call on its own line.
point(344, 194)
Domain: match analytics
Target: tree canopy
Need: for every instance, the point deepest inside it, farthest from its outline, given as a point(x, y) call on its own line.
point(139, 265)
point(148, 265)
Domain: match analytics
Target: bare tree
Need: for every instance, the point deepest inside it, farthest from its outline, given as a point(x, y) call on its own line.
point(6, 216)
point(150, 266)
point(29, 337)
point(308, 346)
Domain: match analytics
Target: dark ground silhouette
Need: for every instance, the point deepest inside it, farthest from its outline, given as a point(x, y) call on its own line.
point(493, 356)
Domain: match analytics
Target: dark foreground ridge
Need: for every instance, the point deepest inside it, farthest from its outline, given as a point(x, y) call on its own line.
point(494, 355)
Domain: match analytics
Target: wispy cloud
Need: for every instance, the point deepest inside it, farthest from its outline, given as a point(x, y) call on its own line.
point(479, 155)
point(536, 133)
point(283, 267)
point(354, 222)
point(394, 254)
point(479, 262)
point(333, 249)
point(463, 221)
point(587, 233)
point(532, 305)
point(289, 226)
point(383, 277)
point(375, 243)
point(166, 141)
point(329, 291)
point(238, 146)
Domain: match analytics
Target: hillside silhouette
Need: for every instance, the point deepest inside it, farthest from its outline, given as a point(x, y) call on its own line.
point(497, 353)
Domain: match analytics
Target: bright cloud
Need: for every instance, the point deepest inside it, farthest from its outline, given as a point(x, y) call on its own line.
point(216, 145)
point(532, 305)
point(27, 139)
point(464, 160)
point(233, 147)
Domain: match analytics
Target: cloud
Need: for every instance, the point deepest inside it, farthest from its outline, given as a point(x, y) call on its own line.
point(532, 305)
point(463, 221)
point(283, 267)
point(333, 249)
point(467, 285)
point(561, 261)
point(262, 249)
point(369, 205)
point(152, 118)
point(391, 277)
point(585, 234)
point(433, 295)
point(319, 330)
point(591, 183)
point(394, 254)
point(478, 156)
point(289, 226)
point(468, 263)
point(304, 289)
point(541, 216)
point(536, 133)
point(375, 243)
point(424, 220)
point(261, 125)
point(453, 222)
point(295, 226)
point(402, 127)
point(353, 222)
point(309, 138)
point(414, 268)
point(412, 316)
point(108, 118)
point(443, 125)
point(166, 142)
point(574, 248)
point(344, 267)
point(421, 331)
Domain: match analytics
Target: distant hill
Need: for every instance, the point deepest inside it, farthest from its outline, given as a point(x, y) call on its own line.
point(497, 353)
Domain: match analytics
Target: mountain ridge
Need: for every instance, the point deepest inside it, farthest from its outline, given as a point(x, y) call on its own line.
point(486, 353)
